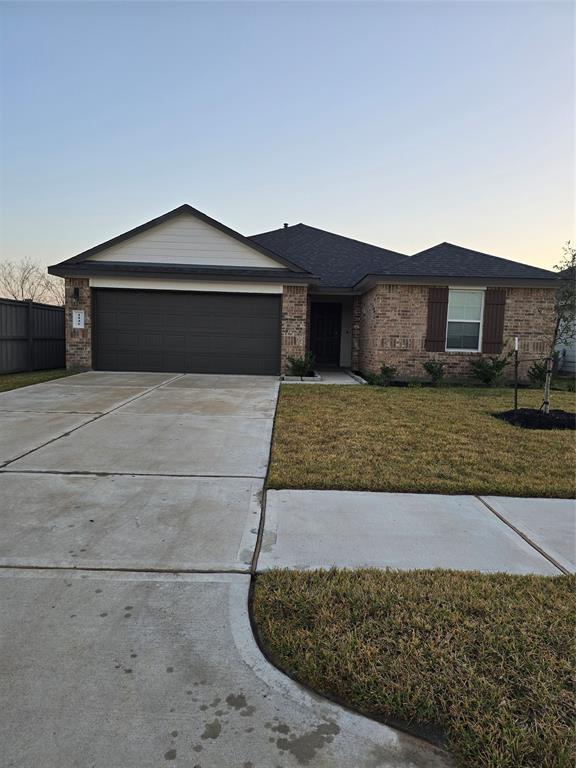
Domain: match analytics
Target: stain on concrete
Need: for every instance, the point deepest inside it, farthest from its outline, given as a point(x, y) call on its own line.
point(246, 556)
point(236, 701)
point(268, 541)
point(197, 747)
point(281, 728)
point(169, 669)
point(212, 730)
point(170, 755)
point(173, 734)
point(304, 747)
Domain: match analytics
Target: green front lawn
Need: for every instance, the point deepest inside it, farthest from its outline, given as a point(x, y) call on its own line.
point(482, 664)
point(15, 380)
point(420, 440)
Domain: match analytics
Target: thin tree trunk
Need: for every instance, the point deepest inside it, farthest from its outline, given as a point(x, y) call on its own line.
point(547, 383)
point(549, 364)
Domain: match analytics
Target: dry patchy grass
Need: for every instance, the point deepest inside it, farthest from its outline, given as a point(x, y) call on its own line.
point(483, 660)
point(418, 440)
point(15, 380)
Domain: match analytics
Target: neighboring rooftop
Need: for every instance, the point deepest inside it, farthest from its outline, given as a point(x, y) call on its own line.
point(341, 262)
point(338, 261)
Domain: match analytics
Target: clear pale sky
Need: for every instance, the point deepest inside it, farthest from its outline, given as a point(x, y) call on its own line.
point(399, 123)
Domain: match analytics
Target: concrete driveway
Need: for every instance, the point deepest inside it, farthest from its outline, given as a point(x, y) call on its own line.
point(130, 511)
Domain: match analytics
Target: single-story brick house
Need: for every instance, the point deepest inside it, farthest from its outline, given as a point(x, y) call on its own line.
point(183, 292)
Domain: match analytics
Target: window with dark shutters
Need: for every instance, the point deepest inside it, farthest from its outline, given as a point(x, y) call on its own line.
point(493, 328)
point(437, 315)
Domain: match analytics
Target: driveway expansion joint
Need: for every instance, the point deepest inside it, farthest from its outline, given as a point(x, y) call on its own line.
point(89, 421)
point(88, 473)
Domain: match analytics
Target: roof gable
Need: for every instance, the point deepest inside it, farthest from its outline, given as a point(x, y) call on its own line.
point(448, 260)
point(184, 236)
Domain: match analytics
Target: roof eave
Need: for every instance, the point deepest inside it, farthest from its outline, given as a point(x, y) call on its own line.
point(179, 272)
point(370, 280)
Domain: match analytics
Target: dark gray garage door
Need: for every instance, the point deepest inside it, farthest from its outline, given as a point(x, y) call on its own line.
point(186, 332)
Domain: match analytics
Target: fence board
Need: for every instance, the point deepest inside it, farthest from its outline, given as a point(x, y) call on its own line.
point(32, 336)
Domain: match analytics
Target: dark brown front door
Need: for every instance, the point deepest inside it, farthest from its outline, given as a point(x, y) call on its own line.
point(325, 325)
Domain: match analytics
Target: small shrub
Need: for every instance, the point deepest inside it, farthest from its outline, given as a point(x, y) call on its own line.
point(383, 378)
point(436, 370)
point(537, 373)
point(386, 375)
point(301, 366)
point(370, 378)
point(489, 370)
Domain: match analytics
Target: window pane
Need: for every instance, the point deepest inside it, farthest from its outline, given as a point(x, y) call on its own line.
point(463, 335)
point(465, 305)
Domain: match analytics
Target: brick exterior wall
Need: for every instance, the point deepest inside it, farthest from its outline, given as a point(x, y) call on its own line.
point(355, 332)
point(78, 340)
point(295, 323)
point(393, 321)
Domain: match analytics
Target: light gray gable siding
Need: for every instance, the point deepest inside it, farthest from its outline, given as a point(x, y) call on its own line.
point(185, 240)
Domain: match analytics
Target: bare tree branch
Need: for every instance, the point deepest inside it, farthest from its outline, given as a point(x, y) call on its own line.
point(27, 280)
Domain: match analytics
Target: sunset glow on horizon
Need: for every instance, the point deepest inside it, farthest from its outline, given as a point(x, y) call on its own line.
point(402, 124)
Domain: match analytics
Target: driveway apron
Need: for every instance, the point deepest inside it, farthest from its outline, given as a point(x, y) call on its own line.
point(130, 512)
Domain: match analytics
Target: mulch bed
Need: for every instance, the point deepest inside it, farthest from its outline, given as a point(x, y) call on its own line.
point(531, 418)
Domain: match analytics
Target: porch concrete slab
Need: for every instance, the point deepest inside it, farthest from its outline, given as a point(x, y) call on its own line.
point(116, 379)
point(337, 377)
point(68, 399)
point(320, 529)
point(549, 523)
point(21, 432)
point(216, 381)
point(144, 670)
point(254, 403)
point(160, 444)
point(126, 522)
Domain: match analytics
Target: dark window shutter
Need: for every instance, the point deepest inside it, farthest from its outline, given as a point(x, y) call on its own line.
point(493, 328)
point(437, 314)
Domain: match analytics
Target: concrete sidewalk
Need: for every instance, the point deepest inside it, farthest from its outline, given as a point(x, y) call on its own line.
point(348, 529)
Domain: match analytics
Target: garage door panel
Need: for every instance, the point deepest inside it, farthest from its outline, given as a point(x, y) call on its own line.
point(188, 332)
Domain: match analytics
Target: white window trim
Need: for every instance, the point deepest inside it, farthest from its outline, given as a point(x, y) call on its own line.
point(455, 320)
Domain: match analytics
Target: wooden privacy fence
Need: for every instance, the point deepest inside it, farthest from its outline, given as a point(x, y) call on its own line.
point(32, 336)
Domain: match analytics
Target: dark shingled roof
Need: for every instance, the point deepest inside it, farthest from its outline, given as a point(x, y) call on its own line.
point(447, 260)
point(338, 261)
point(341, 262)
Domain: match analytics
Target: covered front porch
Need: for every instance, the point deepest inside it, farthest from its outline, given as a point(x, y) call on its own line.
point(334, 324)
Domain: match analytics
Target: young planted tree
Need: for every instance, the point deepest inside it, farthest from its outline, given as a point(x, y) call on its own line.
point(565, 311)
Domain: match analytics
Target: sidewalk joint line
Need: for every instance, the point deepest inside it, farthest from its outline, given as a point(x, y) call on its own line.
point(526, 538)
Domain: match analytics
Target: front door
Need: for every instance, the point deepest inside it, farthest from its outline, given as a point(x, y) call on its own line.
point(325, 326)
